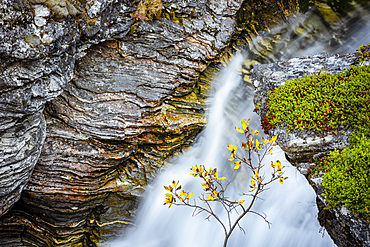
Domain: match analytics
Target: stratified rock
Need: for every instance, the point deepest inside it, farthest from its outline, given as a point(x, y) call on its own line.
point(35, 66)
point(111, 129)
point(21, 141)
point(301, 145)
point(131, 105)
point(25, 87)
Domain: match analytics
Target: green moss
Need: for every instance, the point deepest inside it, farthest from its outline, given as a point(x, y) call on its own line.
point(332, 103)
point(347, 181)
point(322, 102)
point(364, 51)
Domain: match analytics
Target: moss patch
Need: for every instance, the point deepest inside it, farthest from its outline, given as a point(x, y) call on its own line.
point(322, 102)
point(332, 103)
point(347, 181)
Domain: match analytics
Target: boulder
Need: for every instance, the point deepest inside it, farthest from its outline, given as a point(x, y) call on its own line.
point(301, 145)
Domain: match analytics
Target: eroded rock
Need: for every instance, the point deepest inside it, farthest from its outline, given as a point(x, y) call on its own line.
point(21, 140)
point(132, 103)
point(301, 145)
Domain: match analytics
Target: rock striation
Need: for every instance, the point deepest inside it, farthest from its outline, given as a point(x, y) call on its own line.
point(28, 80)
point(99, 100)
point(96, 95)
point(301, 146)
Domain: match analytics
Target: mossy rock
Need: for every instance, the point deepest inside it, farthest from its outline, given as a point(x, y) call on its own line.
point(332, 103)
point(347, 180)
point(322, 102)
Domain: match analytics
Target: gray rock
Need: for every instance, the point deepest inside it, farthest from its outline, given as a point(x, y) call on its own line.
point(345, 228)
point(301, 146)
point(133, 102)
point(21, 140)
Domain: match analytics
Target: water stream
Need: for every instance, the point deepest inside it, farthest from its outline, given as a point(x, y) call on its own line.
point(291, 208)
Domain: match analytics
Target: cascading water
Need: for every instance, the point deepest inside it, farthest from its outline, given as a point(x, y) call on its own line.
point(291, 207)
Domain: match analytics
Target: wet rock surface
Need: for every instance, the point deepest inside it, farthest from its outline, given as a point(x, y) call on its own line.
point(25, 87)
point(301, 146)
point(120, 93)
point(110, 112)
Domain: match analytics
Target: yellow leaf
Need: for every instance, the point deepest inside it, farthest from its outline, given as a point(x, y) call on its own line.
point(230, 147)
point(255, 133)
point(221, 178)
point(175, 183)
point(201, 169)
point(241, 201)
point(281, 181)
point(210, 198)
point(206, 185)
point(231, 159)
point(244, 145)
point(256, 174)
point(244, 124)
point(190, 195)
point(273, 138)
point(237, 165)
point(253, 183)
point(270, 151)
point(278, 164)
point(167, 188)
point(239, 130)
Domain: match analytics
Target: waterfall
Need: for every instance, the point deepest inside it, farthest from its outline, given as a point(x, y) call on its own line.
point(291, 207)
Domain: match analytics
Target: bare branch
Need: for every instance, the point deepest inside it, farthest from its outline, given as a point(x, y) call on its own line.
point(215, 190)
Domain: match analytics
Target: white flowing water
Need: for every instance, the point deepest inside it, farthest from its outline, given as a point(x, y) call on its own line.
point(291, 207)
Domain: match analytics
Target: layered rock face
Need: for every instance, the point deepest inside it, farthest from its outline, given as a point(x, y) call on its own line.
point(114, 110)
point(25, 86)
point(119, 93)
point(300, 145)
